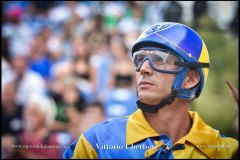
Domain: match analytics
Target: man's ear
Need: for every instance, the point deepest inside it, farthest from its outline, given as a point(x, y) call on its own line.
point(191, 80)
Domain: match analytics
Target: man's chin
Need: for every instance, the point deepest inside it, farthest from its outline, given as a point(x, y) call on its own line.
point(149, 100)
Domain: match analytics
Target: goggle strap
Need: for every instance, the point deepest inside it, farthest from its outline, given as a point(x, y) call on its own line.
point(192, 64)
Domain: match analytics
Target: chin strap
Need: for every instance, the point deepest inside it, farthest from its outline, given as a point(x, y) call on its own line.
point(154, 108)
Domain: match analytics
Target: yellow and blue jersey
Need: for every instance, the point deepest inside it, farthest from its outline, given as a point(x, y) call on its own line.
point(133, 137)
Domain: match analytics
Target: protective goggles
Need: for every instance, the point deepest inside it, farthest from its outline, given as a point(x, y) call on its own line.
point(163, 61)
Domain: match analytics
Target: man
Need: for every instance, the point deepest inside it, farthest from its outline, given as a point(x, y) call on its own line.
point(172, 66)
point(28, 82)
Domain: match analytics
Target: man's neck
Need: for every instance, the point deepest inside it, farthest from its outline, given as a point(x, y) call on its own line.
point(172, 120)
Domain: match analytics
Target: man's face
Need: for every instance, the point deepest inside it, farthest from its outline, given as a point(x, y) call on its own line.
point(153, 86)
point(19, 65)
point(33, 118)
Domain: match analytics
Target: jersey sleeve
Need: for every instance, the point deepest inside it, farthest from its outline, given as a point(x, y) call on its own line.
point(80, 149)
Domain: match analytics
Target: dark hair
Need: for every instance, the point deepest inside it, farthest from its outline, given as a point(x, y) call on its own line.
point(5, 49)
point(96, 104)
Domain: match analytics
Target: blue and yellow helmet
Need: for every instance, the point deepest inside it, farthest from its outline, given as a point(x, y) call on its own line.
point(185, 43)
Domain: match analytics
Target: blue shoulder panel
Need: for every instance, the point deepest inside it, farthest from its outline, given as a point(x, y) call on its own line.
point(109, 140)
point(105, 133)
point(68, 153)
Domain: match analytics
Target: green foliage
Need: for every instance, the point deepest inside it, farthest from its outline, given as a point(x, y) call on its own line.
point(216, 104)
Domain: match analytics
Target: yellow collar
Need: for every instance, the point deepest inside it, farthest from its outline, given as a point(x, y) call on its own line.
point(138, 128)
point(202, 136)
point(199, 135)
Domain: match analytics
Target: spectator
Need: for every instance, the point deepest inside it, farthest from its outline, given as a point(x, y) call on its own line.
point(70, 106)
point(100, 58)
point(5, 59)
point(72, 96)
point(11, 111)
point(12, 124)
point(84, 72)
point(28, 82)
point(93, 114)
point(122, 69)
point(234, 24)
point(18, 43)
point(173, 12)
point(5, 53)
point(135, 21)
point(38, 59)
point(122, 86)
point(60, 71)
point(39, 116)
point(199, 9)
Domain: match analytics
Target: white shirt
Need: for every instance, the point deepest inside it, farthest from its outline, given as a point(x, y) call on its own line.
point(31, 83)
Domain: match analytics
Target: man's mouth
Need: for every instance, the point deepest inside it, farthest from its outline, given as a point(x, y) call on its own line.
point(145, 83)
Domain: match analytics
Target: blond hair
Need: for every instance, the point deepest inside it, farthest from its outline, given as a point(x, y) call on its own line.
point(45, 105)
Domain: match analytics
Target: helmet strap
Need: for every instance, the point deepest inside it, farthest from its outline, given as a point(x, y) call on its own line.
point(177, 85)
point(177, 91)
point(154, 108)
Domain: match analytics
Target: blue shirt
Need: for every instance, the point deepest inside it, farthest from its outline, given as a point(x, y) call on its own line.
point(133, 137)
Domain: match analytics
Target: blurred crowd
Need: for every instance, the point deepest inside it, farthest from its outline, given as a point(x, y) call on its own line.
point(66, 65)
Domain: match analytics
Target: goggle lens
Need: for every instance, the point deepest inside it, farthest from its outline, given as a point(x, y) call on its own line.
point(158, 59)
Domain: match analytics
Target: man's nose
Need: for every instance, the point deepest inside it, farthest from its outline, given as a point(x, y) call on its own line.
point(146, 68)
